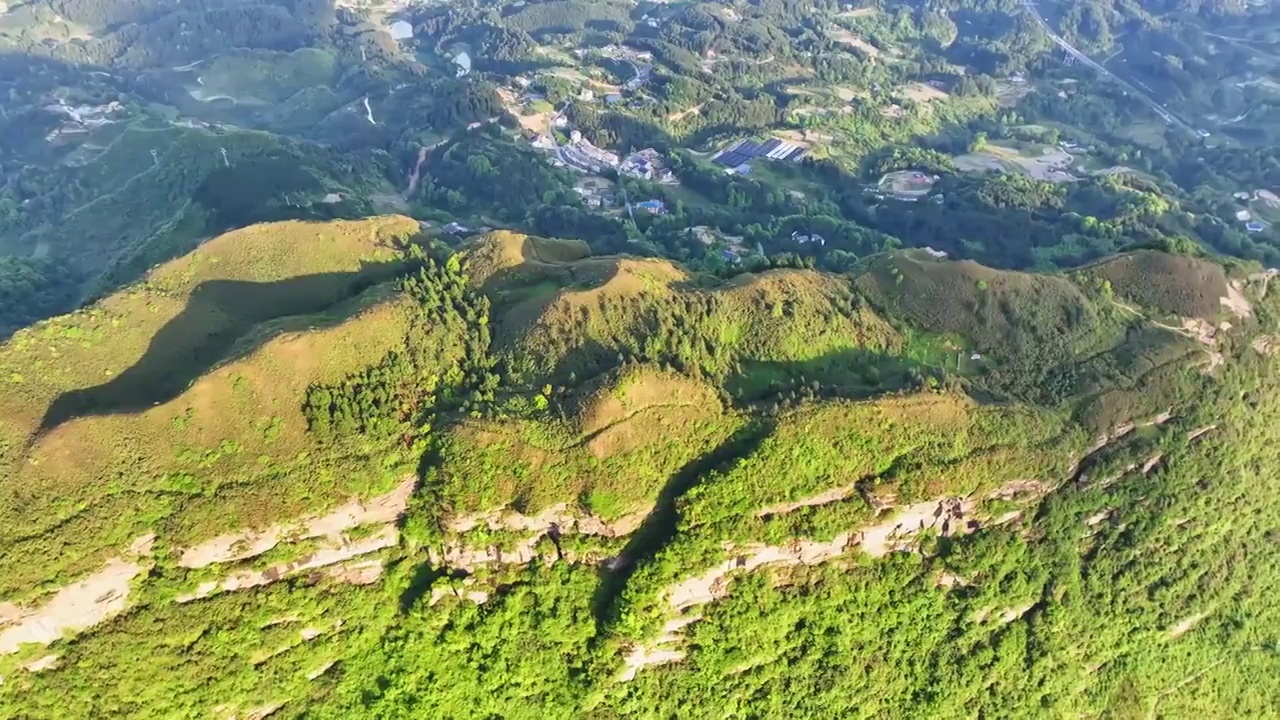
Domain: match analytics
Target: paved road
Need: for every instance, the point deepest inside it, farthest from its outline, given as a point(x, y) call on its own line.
point(1167, 116)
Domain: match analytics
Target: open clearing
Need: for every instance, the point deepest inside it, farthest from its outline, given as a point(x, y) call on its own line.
point(1010, 92)
point(535, 121)
point(921, 92)
point(841, 35)
point(982, 162)
point(804, 138)
point(539, 123)
point(847, 94)
point(1050, 166)
point(908, 183)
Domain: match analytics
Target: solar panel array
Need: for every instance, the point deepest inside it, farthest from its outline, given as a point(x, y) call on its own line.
point(773, 149)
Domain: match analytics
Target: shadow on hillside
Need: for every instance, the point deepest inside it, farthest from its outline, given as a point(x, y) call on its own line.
point(854, 373)
point(219, 313)
point(521, 311)
point(659, 526)
point(538, 267)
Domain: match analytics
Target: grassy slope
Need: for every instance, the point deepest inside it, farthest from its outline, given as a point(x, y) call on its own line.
point(579, 321)
point(1048, 339)
point(231, 450)
point(1170, 284)
point(563, 318)
point(1001, 313)
point(611, 450)
point(221, 452)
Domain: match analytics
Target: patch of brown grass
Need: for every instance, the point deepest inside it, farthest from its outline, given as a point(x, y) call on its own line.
point(228, 451)
point(502, 251)
point(651, 308)
point(615, 277)
point(922, 93)
point(1171, 284)
point(91, 346)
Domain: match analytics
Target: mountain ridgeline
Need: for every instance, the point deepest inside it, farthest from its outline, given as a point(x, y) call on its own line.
point(333, 469)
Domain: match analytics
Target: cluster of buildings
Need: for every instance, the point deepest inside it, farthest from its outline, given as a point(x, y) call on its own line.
point(736, 157)
point(620, 52)
point(581, 154)
point(1252, 223)
point(81, 118)
point(648, 164)
point(735, 250)
point(595, 192)
point(593, 200)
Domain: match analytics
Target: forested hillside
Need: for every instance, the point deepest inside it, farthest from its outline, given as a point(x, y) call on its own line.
point(628, 359)
point(337, 470)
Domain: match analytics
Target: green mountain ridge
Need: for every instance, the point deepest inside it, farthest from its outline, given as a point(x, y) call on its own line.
point(319, 469)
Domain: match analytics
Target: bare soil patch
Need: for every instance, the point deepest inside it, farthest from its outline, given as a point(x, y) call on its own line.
point(1236, 302)
point(234, 547)
point(76, 607)
point(835, 494)
point(1186, 624)
point(980, 162)
point(676, 117)
point(1050, 166)
point(324, 557)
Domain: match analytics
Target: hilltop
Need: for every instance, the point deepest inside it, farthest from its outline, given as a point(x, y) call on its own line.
point(334, 469)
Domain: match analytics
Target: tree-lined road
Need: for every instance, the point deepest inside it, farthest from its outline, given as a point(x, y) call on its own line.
point(1071, 50)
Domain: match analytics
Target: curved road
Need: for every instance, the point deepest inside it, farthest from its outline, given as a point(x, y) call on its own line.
point(1071, 50)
